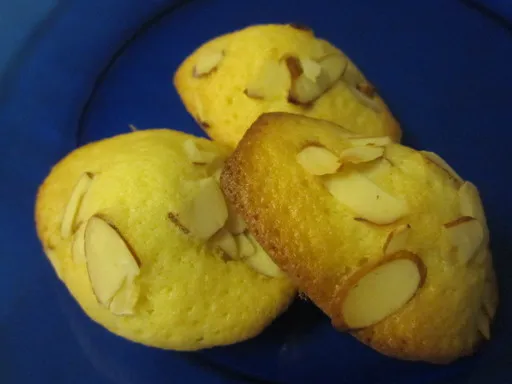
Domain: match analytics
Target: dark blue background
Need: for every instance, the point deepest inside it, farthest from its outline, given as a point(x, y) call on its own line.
point(443, 67)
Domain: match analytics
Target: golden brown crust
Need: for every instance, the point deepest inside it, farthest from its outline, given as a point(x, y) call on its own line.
point(218, 103)
point(319, 244)
point(237, 177)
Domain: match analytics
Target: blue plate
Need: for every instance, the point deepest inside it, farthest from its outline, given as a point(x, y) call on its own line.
point(94, 68)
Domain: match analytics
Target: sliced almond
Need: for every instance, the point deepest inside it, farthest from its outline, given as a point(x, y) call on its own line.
point(482, 255)
point(200, 113)
point(377, 170)
point(261, 262)
point(311, 68)
point(271, 82)
point(377, 141)
point(364, 154)
point(381, 292)
point(71, 210)
point(437, 160)
point(294, 66)
point(246, 247)
point(410, 163)
point(489, 299)
point(124, 301)
point(483, 325)
point(397, 239)
point(205, 125)
point(207, 212)
point(470, 203)
point(196, 155)
point(466, 235)
point(318, 160)
point(226, 242)
point(216, 174)
point(303, 89)
point(333, 67)
point(367, 200)
point(109, 259)
point(352, 75)
point(368, 101)
point(319, 49)
point(235, 223)
point(207, 62)
point(366, 89)
point(78, 245)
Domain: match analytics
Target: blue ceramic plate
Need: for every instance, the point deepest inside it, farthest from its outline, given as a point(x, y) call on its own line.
point(92, 69)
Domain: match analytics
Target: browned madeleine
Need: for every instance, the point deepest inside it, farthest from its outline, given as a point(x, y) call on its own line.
point(227, 82)
point(391, 243)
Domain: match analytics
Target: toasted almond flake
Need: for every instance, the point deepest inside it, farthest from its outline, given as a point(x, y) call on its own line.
point(381, 292)
point(471, 205)
point(124, 301)
point(366, 89)
point(73, 204)
point(352, 76)
point(271, 82)
point(108, 258)
point(466, 235)
point(483, 325)
point(439, 161)
point(216, 174)
point(224, 240)
point(207, 62)
point(333, 66)
point(78, 245)
point(397, 239)
point(482, 255)
point(245, 246)
point(489, 299)
point(318, 160)
point(365, 199)
point(304, 90)
point(368, 101)
point(235, 223)
point(261, 262)
point(294, 66)
point(310, 68)
point(196, 155)
point(200, 112)
point(364, 154)
point(207, 212)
